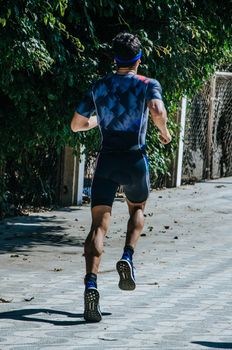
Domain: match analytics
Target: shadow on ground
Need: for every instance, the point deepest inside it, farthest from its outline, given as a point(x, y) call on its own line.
point(215, 345)
point(28, 231)
point(225, 182)
point(44, 316)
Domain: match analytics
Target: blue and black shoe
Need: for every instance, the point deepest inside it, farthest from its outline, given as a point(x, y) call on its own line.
point(126, 273)
point(92, 311)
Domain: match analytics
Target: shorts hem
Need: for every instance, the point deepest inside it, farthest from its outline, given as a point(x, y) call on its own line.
point(102, 204)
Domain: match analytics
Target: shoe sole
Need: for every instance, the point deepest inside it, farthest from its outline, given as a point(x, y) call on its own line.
point(126, 281)
point(92, 311)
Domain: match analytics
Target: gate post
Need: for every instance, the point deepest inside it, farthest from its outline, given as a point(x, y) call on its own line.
point(72, 177)
point(210, 126)
point(181, 141)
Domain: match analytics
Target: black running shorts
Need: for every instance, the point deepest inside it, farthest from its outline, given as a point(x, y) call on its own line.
point(129, 169)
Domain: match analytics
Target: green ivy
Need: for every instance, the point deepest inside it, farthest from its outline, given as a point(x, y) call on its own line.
point(51, 51)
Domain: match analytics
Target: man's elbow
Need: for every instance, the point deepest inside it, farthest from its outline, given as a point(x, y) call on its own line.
point(74, 126)
point(157, 108)
point(76, 123)
point(159, 113)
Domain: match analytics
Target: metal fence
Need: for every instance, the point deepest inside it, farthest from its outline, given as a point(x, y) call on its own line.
point(208, 131)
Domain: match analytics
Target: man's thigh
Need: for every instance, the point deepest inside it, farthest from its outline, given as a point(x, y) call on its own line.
point(103, 192)
point(137, 191)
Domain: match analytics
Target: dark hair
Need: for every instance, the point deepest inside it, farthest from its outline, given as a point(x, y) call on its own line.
point(126, 46)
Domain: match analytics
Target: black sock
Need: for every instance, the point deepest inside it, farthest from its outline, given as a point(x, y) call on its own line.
point(129, 251)
point(91, 277)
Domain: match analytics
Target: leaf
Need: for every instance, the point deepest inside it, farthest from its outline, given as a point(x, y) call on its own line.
point(46, 20)
point(52, 97)
point(57, 269)
point(8, 13)
point(29, 299)
point(2, 300)
point(3, 21)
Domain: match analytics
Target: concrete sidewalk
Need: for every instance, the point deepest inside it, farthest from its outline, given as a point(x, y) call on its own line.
point(184, 277)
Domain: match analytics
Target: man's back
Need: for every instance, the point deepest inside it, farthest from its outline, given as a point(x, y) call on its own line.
point(120, 102)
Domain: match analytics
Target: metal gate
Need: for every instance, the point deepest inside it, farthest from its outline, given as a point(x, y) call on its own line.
point(208, 131)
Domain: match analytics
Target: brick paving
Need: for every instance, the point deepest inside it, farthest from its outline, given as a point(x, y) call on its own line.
point(184, 276)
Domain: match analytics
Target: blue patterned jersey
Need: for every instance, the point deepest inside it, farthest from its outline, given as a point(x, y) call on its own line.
point(120, 103)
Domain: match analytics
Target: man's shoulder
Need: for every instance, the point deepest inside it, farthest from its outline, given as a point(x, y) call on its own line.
point(102, 80)
point(147, 80)
point(144, 79)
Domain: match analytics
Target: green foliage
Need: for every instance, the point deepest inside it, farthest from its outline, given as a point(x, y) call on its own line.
point(51, 51)
point(160, 156)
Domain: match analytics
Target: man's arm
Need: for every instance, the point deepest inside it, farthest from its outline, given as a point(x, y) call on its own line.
point(81, 123)
point(159, 118)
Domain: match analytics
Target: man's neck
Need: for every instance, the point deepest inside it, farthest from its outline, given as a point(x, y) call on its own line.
point(126, 70)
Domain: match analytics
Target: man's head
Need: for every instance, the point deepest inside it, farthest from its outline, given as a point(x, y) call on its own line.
point(127, 49)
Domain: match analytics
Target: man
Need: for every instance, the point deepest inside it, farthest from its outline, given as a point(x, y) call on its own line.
point(120, 101)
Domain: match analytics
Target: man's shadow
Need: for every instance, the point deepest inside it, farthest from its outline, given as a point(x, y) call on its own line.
point(215, 345)
point(25, 315)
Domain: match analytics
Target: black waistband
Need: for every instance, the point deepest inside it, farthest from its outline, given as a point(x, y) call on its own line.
point(120, 151)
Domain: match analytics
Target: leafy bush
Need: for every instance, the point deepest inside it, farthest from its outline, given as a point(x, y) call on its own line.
point(52, 50)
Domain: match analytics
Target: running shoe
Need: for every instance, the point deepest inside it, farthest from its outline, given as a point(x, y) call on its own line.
point(126, 271)
point(92, 311)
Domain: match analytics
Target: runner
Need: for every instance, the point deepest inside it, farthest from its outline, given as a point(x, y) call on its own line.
point(120, 101)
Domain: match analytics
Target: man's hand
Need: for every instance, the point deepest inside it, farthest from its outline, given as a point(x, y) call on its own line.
point(165, 137)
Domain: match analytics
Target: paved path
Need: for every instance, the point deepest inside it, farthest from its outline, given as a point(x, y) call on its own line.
point(184, 277)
